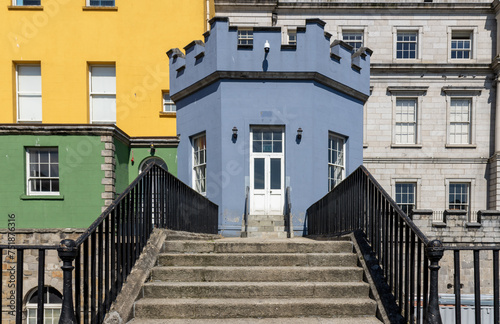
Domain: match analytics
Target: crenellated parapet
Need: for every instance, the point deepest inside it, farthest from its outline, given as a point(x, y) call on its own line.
point(314, 56)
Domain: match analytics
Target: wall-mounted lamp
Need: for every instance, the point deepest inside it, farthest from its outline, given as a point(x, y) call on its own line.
point(267, 46)
point(152, 149)
point(299, 133)
point(235, 133)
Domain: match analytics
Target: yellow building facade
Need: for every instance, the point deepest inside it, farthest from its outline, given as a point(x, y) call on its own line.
point(66, 39)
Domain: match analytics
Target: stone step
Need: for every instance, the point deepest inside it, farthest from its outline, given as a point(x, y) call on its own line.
point(264, 235)
point(233, 308)
point(255, 289)
point(266, 217)
point(265, 228)
point(252, 274)
point(259, 223)
point(243, 246)
point(256, 259)
point(281, 320)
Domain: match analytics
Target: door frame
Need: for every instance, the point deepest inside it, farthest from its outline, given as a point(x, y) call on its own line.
point(267, 191)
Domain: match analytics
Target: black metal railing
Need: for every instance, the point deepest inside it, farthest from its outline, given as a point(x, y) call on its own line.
point(288, 213)
point(485, 272)
point(408, 259)
point(103, 256)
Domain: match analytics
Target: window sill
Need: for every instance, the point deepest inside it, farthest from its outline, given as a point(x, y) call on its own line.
point(42, 197)
point(98, 8)
point(164, 114)
point(411, 146)
point(245, 47)
point(465, 146)
point(40, 8)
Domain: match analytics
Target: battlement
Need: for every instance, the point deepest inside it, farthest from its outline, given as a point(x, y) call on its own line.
point(220, 56)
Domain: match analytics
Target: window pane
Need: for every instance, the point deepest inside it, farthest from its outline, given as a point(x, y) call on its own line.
point(103, 79)
point(275, 173)
point(104, 108)
point(259, 173)
point(267, 146)
point(30, 79)
point(30, 107)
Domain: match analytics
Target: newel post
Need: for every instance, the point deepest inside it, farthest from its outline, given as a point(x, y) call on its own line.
point(67, 252)
point(434, 251)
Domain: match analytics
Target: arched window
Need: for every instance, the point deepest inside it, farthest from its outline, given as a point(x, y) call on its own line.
point(52, 300)
point(149, 160)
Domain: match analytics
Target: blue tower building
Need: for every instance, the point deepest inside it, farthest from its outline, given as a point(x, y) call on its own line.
point(263, 124)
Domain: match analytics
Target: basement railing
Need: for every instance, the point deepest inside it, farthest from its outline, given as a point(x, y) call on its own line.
point(104, 255)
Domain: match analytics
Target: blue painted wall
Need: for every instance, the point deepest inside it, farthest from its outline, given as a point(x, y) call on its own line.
point(216, 106)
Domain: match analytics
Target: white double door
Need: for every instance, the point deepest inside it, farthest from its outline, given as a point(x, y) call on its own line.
point(267, 171)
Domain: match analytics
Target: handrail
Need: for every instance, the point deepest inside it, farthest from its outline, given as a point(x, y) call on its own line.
point(288, 213)
point(106, 252)
point(247, 207)
point(409, 261)
point(394, 205)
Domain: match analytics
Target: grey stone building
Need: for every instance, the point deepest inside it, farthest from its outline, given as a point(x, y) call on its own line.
point(431, 131)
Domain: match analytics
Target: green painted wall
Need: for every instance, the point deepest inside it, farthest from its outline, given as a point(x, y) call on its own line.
point(80, 182)
point(168, 154)
point(122, 157)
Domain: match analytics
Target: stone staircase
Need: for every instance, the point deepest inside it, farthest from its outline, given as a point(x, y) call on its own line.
point(249, 281)
point(265, 226)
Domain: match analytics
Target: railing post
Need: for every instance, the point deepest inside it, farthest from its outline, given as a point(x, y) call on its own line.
point(67, 251)
point(434, 251)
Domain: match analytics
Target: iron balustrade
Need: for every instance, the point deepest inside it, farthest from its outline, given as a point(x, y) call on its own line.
point(458, 256)
point(288, 213)
point(103, 256)
point(408, 259)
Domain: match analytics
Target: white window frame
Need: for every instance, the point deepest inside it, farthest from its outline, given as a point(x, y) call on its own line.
point(400, 204)
point(403, 93)
point(472, 94)
point(473, 30)
point(350, 33)
point(291, 36)
point(102, 94)
point(472, 186)
point(453, 123)
point(32, 308)
point(199, 183)
point(88, 3)
point(335, 165)
point(245, 36)
point(411, 122)
point(20, 3)
point(407, 29)
point(36, 115)
point(30, 178)
point(168, 103)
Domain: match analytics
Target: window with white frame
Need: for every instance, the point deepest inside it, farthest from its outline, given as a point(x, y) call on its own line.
point(353, 38)
point(292, 36)
point(29, 93)
point(460, 121)
point(406, 196)
point(102, 93)
point(336, 160)
point(199, 163)
point(461, 44)
point(407, 45)
point(101, 3)
point(245, 36)
point(42, 171)
point(26, 2)
point(52, 306)
point(168, 103)
point(459, 196)
point(405, 131)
